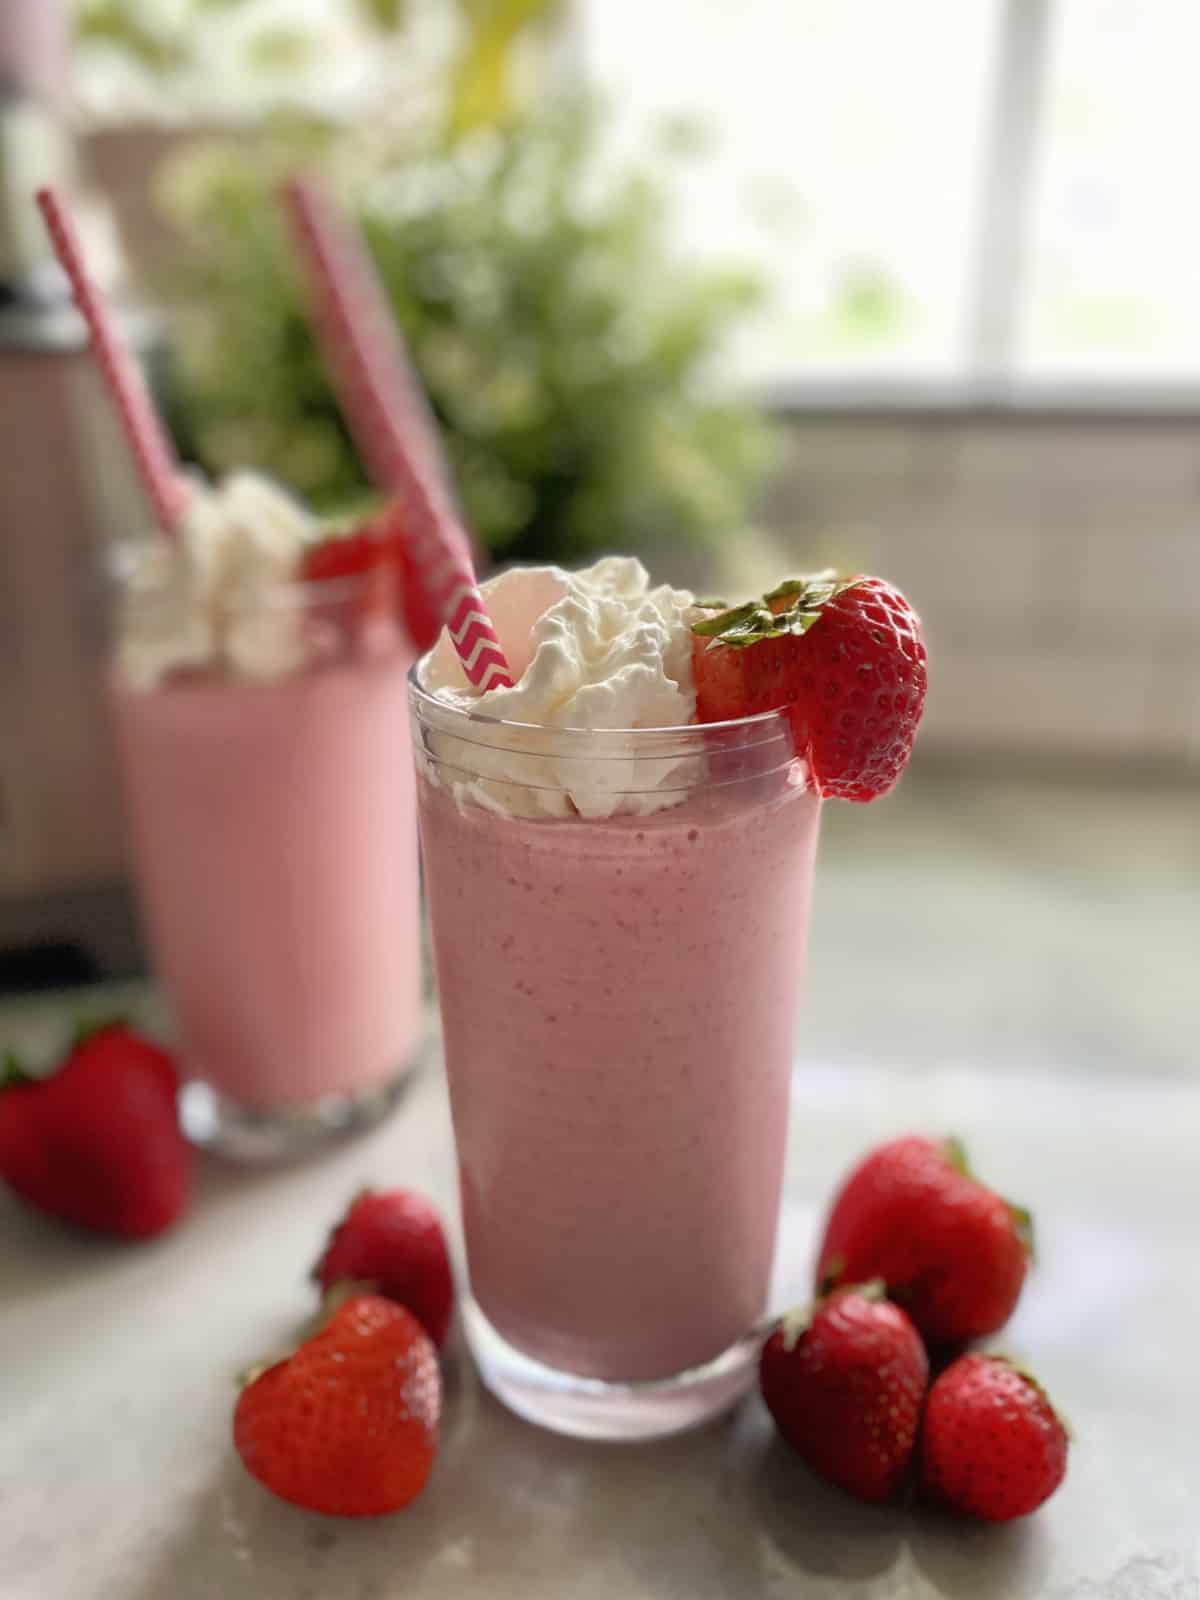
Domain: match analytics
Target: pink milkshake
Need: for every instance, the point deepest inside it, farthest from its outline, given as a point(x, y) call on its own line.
point(619, 915)
point(262, 731)
point(620, 1003)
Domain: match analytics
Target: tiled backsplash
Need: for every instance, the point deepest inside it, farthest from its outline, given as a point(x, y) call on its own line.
point(1056, 563)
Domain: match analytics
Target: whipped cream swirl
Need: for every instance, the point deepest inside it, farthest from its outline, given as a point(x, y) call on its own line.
point(214, 597)
point(598, 649)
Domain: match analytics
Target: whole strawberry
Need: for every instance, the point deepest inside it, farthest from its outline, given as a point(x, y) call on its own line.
point(845, 1388)
point(992, 1446)
point(392, 1242)
point(347, 1425)
point(844, 657)
point(951, 1251)
point(99, 1143)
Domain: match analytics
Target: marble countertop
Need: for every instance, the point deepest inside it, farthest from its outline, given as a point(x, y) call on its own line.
point(118, 1480)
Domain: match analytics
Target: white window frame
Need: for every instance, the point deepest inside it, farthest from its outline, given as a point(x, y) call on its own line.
point(1000, 261)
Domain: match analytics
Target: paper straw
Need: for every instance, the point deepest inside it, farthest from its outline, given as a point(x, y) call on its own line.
point(319, 224)
point(359, 339)
point(147, 439)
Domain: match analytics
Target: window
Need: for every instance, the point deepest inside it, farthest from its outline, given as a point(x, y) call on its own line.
point(982, 192)
point(1114, 230)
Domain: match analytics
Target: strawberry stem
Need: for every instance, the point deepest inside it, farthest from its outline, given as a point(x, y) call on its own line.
point(792, 607)
point(1023, 1222)
point(832, 1276)
point(87, 1027)
point(12, 1074)
point(873, 1289)
point(796, 1322)
point(336, 1296)
point(1031, 1378)
point(1022, 1218)
point(956, 1155)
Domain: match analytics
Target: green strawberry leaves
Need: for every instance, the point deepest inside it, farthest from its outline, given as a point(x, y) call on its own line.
point(90, 1024)
point(12, 1073)
point(769, 618)
point(1022, 1218)
point(1022, 1371)
point(956, 1154)
point(794, 1324)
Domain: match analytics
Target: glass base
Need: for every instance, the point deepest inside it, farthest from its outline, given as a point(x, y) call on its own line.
point(594, 1408)
point(252, 1135)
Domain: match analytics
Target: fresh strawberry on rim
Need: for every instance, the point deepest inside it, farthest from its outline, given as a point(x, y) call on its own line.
point(844, 657)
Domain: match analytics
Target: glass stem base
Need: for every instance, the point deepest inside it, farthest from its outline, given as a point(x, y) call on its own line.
point(257, 1135)
point(595, 1408)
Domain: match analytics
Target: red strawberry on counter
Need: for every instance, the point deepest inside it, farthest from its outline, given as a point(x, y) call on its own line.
point(99, 1143)
point(992, 1445)
point(845, 1386)
point(844, 657)
point(348, 1424)
point(393, 1243)
point(951, 1251)
point(380, 551)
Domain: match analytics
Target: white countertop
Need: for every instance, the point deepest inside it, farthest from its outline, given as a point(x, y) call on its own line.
point(118, 1480)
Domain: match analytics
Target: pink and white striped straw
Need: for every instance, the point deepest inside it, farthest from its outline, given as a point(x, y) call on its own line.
point(316, 216)
point(147, 439)
point(360, 342)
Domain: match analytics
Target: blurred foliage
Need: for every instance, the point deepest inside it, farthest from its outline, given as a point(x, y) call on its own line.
point(870, 306)
point(169, 43)
point(163, 38)
point(566, 351)
point(125, 26)
point(481, 90)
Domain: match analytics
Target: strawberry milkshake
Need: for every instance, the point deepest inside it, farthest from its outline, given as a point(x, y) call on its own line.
point(618, 903)
point(262, 730)
point(619, 852)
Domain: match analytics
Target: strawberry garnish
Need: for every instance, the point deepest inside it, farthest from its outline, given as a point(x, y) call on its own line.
point(393, 1242)
point(98, 1143)
point(952, 1252)
point(345, 555)
point(348, 1424)
point(843, 657)
point(378, 550)
point(992, 1445)
point(844, 1384)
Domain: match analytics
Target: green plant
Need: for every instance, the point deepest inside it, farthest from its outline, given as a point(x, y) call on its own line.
point(184, 54)
point(566, 349)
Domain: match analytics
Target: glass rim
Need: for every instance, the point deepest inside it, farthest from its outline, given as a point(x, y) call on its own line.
point(420, 696)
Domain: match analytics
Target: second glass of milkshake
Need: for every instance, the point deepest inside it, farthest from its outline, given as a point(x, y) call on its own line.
point(619, 903)
point(262, 730)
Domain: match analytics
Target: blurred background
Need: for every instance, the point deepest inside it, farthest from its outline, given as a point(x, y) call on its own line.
point(740, 285)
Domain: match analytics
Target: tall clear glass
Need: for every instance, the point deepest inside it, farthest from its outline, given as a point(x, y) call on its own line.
point(619, 924)
point(274, 849)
